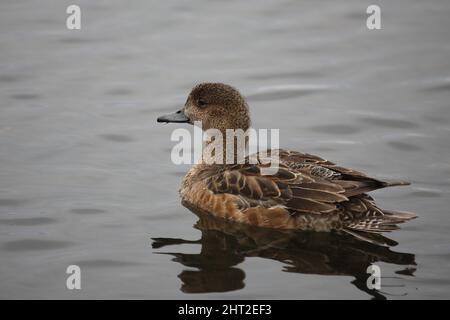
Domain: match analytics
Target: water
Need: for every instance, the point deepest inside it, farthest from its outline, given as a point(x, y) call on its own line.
point(85, 170)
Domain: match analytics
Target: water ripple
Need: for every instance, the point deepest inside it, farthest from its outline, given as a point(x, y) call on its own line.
point(336, 129)
point(35, 245)
point(105, 263)
point(437, 85)
point(27, 221)
point(117, 137)
point(389, 123)
point(87, 211)
point(404, 146)
point(12, 202)
point(279, 92)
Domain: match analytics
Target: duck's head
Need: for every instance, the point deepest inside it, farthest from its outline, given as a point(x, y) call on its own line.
point(216, 105)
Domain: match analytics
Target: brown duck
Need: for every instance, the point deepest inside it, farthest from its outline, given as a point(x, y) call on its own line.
point(306, 193)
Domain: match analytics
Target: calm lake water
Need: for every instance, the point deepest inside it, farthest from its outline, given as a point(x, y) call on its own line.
point(85, 170)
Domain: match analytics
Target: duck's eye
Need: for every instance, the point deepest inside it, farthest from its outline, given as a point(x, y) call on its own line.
point(201, 102)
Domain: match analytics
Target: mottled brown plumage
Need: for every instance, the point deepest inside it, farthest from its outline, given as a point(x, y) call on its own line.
point(306, 193)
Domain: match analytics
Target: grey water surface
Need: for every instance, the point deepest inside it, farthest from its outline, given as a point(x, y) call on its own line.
point(85, 171)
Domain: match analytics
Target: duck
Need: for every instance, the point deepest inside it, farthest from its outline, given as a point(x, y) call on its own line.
point(306, 192)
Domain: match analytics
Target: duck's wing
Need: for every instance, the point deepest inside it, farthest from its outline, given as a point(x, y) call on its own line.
point(295, 191)
point(353, 182)
point(303, 183)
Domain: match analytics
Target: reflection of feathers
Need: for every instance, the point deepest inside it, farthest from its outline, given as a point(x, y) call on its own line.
point(225, 244)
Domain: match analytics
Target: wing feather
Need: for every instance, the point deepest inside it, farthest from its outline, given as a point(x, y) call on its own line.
point(303, 183)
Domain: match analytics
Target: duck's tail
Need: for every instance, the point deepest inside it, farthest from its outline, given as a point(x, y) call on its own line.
point(393, 183)
point(362, 219)
point(385, 222)
point(370, 229)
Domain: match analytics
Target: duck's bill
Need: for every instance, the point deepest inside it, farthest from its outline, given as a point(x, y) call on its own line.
point(177, 117)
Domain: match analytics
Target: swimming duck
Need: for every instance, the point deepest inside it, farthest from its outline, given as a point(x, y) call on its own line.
point(306, 192)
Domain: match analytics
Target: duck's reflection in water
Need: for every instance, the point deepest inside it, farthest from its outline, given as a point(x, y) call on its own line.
point(226, 244)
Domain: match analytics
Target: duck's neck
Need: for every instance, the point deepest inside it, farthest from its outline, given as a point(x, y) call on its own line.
point(227, 148)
